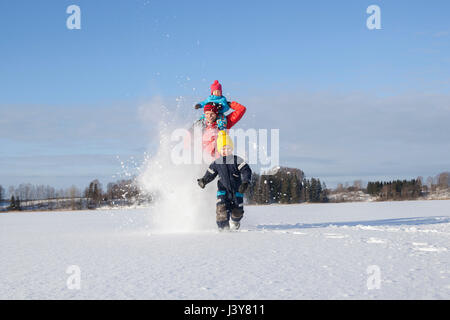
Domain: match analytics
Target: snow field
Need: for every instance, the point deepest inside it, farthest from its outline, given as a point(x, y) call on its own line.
point(386, 250)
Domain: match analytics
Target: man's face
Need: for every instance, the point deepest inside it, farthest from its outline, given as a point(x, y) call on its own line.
point(210, 116)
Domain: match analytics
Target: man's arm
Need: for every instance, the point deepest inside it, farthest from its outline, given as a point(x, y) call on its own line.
point(189, 137)
point(236, 115)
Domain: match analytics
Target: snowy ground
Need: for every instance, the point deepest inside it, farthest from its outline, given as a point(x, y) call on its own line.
point(324, 251)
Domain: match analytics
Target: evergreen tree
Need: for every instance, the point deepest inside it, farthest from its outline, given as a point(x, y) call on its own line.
point(294, 189)
point(324, 193)
point(265, 190)
point(275, 188)
point(94, 194)
point(313, 191)
point(285, 190)
point(12, 203)
point(17, 204)
point(258, 192)
point(251, 193)
point(306, 194)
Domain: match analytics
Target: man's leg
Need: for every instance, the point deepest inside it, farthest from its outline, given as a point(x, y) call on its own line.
point(222, 210)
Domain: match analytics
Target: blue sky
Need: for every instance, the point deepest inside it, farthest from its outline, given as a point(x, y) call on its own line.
point(70, 99)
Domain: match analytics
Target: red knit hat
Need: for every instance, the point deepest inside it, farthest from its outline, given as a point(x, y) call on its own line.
point(216, 86)
point(211, 107)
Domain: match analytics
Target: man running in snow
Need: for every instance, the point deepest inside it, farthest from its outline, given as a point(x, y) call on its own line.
point(211, 125)
point(234, 177)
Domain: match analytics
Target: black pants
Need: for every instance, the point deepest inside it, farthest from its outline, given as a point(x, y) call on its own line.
point(229, 206)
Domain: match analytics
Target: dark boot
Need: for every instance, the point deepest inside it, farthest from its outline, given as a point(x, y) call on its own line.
point(223, 226)
point(236, 216)
point(222, 217)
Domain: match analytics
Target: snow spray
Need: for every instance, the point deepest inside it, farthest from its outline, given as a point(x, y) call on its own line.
point(178, 203)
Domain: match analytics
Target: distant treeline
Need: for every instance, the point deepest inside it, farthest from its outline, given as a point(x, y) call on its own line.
point(286, 186)
point(396, 190)
point(40, 197)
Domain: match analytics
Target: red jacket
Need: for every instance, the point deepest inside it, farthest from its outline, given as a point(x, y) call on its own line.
point(236, 115)
point(210, 129)
point(210, 132)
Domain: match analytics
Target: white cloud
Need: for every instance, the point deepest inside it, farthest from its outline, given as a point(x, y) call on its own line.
point(358, 134)
point(334, 136)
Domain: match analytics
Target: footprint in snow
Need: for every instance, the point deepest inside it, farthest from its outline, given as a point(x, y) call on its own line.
point(376, 240)
point(423, 246)
point(335, 236)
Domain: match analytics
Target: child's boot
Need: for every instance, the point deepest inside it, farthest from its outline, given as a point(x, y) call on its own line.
point(236, 216)
point(222, 217)
point(234, 225)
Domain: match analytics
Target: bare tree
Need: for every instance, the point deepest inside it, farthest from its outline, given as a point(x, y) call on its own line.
point(11, 191)
point(420, 179)
point(443, 180)
point(429, 183)
point(73, 194)
point(357, 185)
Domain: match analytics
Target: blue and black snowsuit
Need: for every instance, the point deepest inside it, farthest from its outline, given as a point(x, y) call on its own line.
point(232, 171)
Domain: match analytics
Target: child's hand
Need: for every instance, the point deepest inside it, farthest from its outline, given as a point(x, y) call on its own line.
point(198, 106)
point(201, 183)
point(243, 187)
